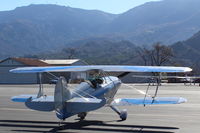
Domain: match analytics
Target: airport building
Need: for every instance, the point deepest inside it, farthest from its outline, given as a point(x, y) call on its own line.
point(32, 78)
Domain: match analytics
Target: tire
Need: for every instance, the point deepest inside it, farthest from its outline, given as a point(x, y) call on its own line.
point(123, 114)
point(82, 115)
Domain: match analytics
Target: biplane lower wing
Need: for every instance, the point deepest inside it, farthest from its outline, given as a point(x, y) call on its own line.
point(148, 101)
point(107, 68)
point(25, 98)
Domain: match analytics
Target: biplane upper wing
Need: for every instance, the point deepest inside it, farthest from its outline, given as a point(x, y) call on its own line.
point(107, 68)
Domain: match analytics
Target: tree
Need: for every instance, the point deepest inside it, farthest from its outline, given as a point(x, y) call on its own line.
point(157, 55)
point(142, 53)
point(71, 52)
point(161, 54)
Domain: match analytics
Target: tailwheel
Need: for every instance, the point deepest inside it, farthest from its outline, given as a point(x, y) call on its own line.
point(60, 123)
point(123, 114)
point(82, 115)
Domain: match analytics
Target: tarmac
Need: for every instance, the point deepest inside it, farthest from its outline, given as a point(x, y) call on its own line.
point(176, 118)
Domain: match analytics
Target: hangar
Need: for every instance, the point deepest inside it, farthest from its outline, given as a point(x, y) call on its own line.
point(32, 78)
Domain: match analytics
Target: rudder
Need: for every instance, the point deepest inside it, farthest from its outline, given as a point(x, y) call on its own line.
point(61, 94)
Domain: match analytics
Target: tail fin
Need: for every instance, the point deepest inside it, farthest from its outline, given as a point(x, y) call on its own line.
point(61, 94)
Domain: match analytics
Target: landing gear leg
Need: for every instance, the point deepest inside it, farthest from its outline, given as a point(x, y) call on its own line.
point(40, 93)
point(82, 115)
point(122, 113)
point(60, 123)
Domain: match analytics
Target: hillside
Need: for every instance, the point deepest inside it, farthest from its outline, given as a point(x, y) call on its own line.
point(99, 52)
point(39, 28)
point(49, 28)
point(104, 51)
point(188, 51)
point(167, 21)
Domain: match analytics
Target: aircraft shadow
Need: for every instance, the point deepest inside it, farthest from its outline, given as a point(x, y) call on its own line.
point(85, 125)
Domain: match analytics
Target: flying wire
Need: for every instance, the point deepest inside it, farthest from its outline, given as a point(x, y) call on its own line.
point(140, 91)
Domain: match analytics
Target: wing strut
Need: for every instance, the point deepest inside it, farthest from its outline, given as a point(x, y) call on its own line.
point(158, 83)
point(157, 87)
point(158, 79)
point(146, 92)
point(41, 91)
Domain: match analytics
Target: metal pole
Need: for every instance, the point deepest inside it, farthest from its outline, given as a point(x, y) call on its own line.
point(40, 93)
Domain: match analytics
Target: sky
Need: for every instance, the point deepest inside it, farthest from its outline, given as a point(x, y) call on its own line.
point(111, 6)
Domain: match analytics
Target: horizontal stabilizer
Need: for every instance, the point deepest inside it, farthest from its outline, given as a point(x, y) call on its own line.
point(106, 68)
point(22, 98)
point(43, 103)
point(148, 101)
point(84, 100)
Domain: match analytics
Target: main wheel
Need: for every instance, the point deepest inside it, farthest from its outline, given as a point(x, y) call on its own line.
point(123, 114)
point(82, 115)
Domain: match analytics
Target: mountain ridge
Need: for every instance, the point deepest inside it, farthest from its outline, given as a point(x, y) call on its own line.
point(41, 28)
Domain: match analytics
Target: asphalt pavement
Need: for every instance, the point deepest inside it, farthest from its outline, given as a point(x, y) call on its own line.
point(177, 118)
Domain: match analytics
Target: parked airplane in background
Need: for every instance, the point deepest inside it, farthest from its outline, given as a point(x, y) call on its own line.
point(189, 79)
point(91, 94)
point(153, 79)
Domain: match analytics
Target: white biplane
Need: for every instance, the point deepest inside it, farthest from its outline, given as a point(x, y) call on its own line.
point(91, 94)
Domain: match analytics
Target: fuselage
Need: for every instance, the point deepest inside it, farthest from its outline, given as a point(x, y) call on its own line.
point(105, 91)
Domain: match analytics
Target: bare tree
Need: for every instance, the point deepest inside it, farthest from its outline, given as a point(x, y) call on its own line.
point(161, 54)
point(157, 55)
point(142, 52)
